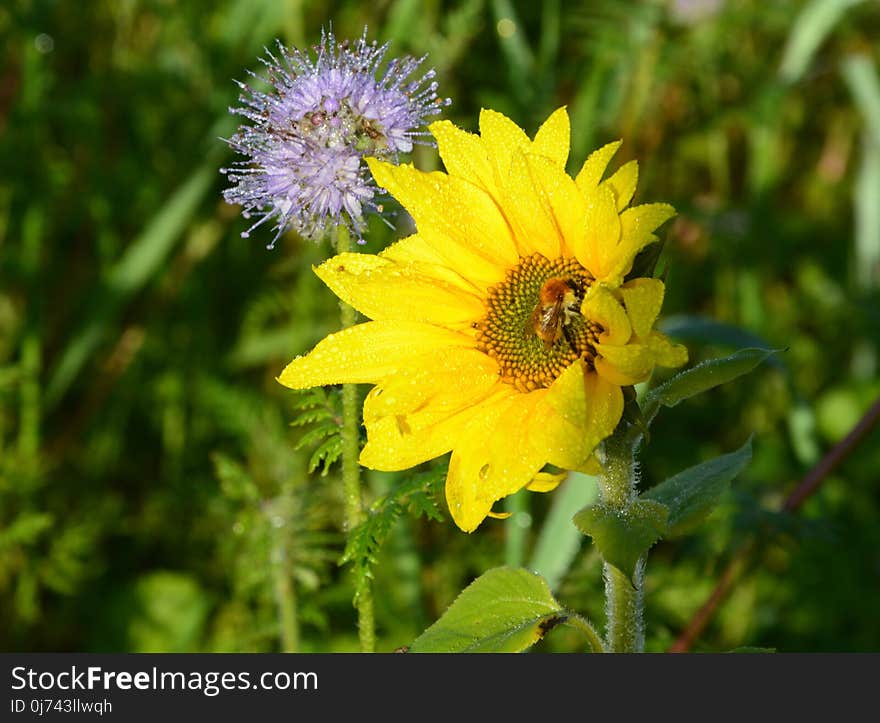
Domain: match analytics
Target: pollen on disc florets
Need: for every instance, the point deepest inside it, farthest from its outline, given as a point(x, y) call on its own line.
point(509, 333)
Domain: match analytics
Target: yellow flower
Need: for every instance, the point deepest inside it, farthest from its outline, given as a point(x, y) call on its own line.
point(503, 330)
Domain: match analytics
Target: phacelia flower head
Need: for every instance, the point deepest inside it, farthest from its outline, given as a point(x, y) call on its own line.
point(309, 134)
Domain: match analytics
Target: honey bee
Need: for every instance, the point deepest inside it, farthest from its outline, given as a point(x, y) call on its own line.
point(558, 301)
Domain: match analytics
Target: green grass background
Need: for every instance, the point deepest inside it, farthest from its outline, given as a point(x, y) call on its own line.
point(151, 496)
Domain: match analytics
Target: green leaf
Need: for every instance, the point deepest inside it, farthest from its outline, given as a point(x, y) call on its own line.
point(692, 494)
point(326, 454)
point(506, 610)
point(623, 535)
point(704, 376)
point(705, 330)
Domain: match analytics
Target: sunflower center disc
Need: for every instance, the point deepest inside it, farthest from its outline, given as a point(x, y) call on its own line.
point(533, 327)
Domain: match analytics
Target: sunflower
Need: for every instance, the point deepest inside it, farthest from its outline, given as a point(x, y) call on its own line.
point(503, 330)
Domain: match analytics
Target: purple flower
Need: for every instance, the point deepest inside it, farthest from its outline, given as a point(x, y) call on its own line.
point(310, 132)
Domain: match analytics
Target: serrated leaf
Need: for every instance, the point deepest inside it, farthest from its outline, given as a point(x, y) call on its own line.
point(706, 375)
point(417, 494)
point(623, 535)
point(692, 494)
point(315, 414)
point(327, 453)
point(505, 610)
point(316, 435)
point(307, 398)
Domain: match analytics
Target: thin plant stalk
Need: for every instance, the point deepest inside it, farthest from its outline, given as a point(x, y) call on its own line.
point(351, 481)
point(285, 598)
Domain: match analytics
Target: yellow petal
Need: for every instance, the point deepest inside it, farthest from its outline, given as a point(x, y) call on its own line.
point(592, 466)
point(561, 196)
point(419, 412)
point(383, 289)
point(624, 365)
point(643, 298)
point(367, 352)
point(571, 420)
point(401, 441)
point(418, 252)
point(666, 353)
point(594, 167)
point(636, 224)
point(604, 407)
point(553, 138)
point(580, 410)
point(501, 137)
point(624, 181)
point(602, 235)
point(562, 419)
point(499, 515)
point(546, 482)
point(646, 218)
point(459, 219)
point(414, 249)
point(463, 154)
point(531, 217)
point(601, 306)
point(442, 380)
point(494, 458)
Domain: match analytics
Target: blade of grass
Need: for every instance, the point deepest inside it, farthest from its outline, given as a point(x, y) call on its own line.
point(137, 266)
point(514, 46)
point(812, 26)
point(860, 75)
point(559, 540)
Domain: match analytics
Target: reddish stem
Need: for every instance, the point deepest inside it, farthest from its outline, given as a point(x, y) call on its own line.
point(808, 485)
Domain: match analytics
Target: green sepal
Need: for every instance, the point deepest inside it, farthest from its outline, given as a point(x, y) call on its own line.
point(623, 535)
point(505, 610)
point(633, 415)
point(693, 493)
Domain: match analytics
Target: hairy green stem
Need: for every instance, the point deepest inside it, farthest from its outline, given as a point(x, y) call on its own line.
point(582, 624)
point(625, 631)
point(623, 608)
point(351, 475)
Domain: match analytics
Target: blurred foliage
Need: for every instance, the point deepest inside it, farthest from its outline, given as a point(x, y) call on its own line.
point(153, 493)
